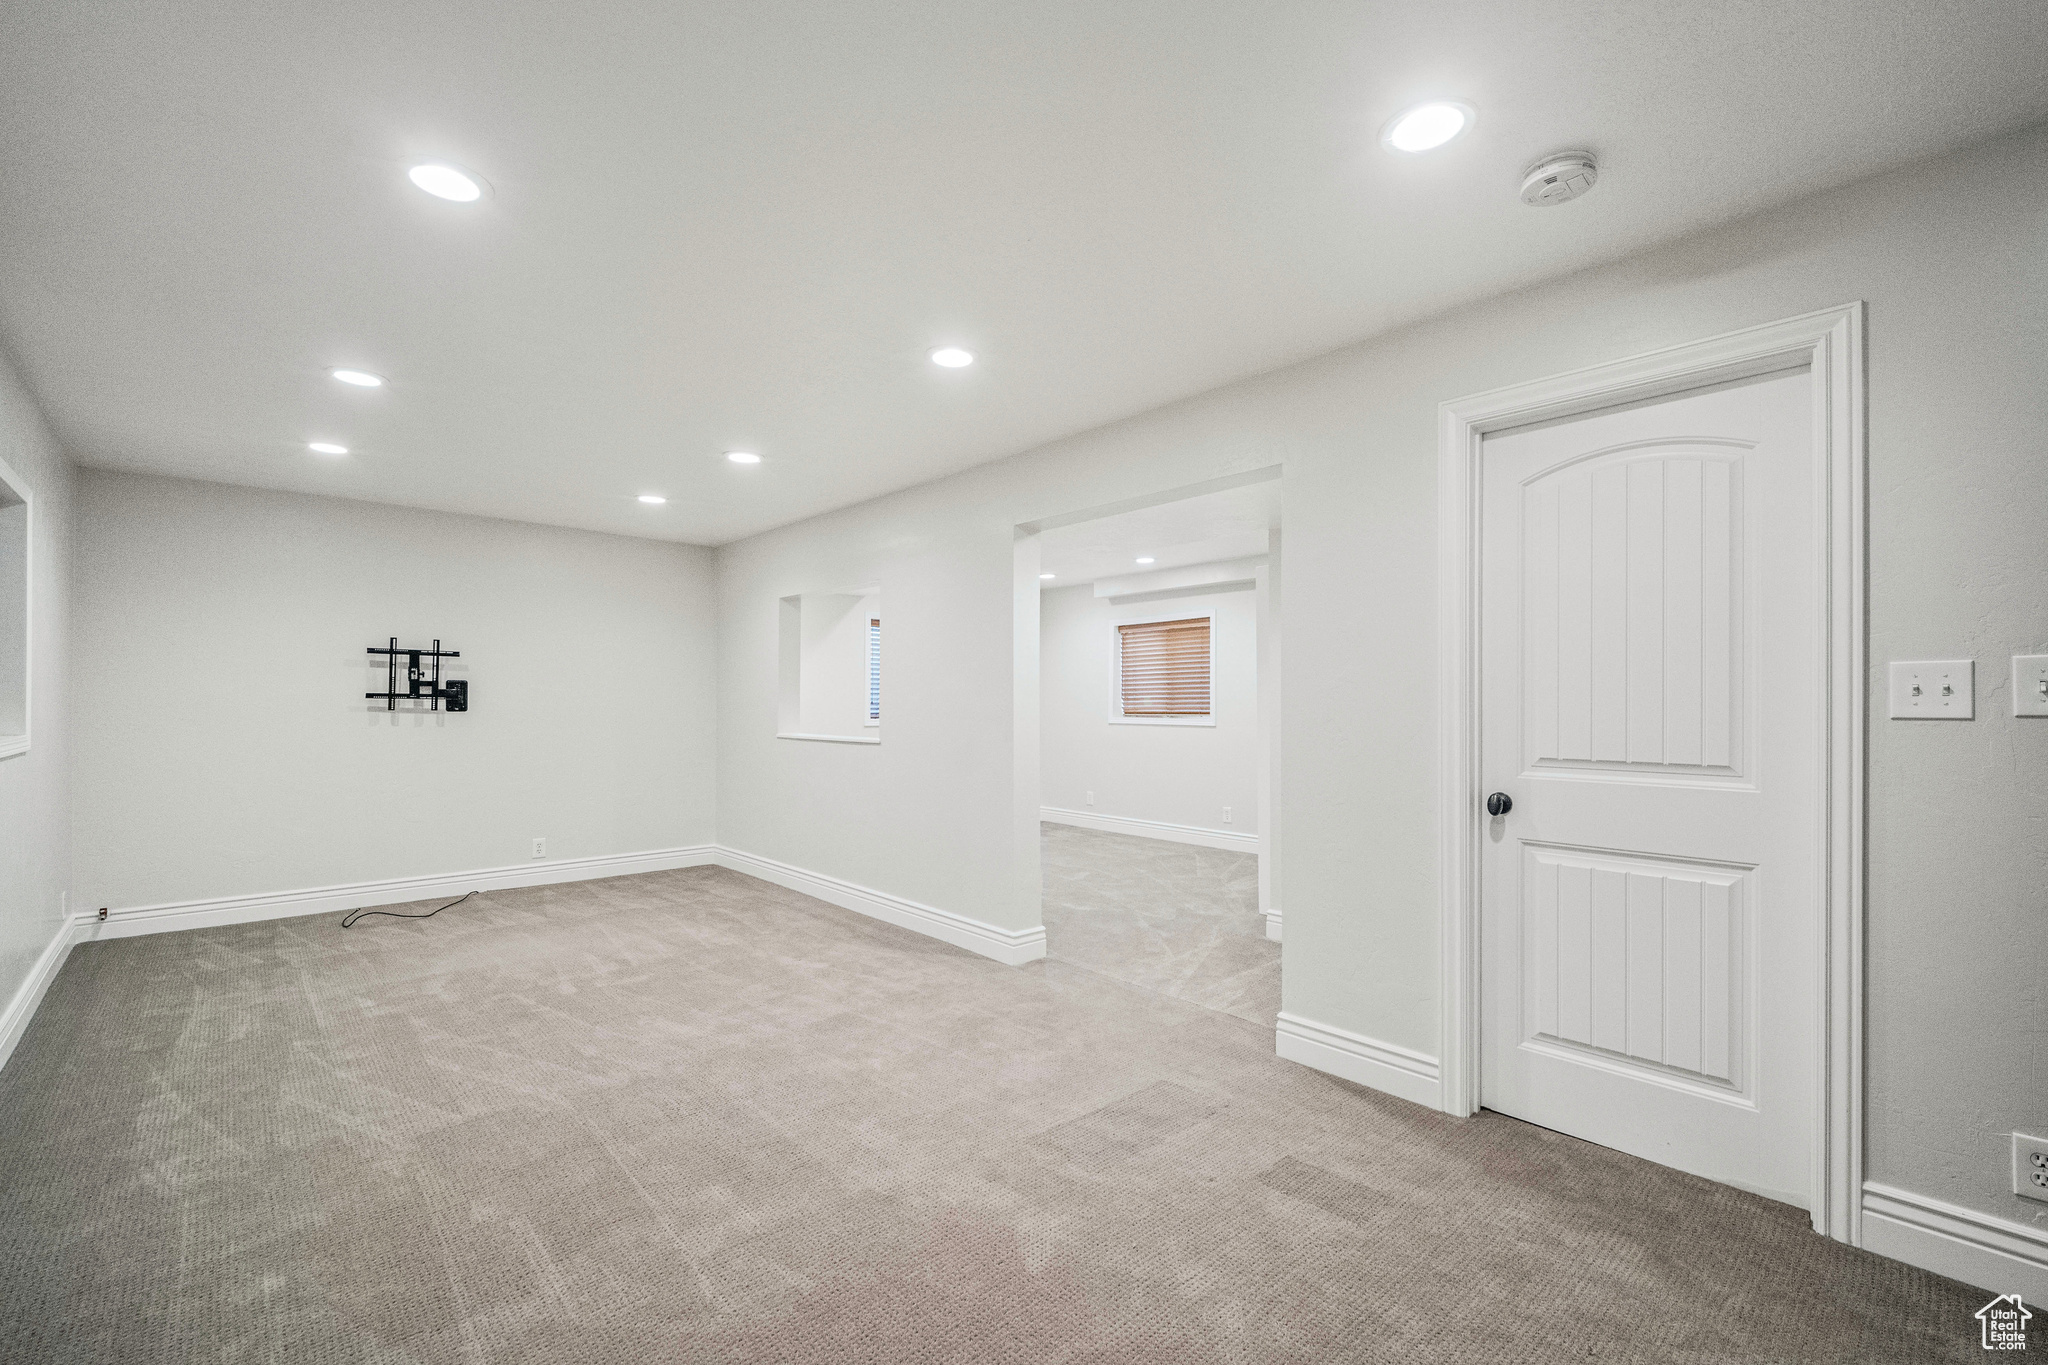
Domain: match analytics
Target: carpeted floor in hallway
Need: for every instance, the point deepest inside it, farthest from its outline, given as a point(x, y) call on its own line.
point(688, 1116)
point(1174, 918)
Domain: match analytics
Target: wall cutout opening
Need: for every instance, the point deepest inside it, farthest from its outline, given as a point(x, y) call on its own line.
point(15, 506)
point(831, 667)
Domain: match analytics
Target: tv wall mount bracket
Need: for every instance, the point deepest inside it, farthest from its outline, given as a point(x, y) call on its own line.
point(423, 681)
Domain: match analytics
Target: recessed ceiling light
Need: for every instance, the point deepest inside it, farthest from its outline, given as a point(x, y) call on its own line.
point(1427, 126)
point(742, 457)
point(1144, 559)
point(653, 499)
point(326, 448)
point(444, 181)
point(362, 379)
point(952, 357)
point(1045, 575)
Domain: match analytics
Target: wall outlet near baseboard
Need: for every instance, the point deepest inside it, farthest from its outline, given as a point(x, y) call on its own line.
point(2030, 1167)
point(1090, 796)
point(540, 848)
point(1226, 815)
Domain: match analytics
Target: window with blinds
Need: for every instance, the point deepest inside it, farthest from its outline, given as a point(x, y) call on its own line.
point(875, 668)
point(1163, 668)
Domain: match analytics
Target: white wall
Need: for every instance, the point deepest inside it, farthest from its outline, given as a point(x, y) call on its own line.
point(1952, 258)
point(1178, 774)
point(220, 655)
point(35, 837)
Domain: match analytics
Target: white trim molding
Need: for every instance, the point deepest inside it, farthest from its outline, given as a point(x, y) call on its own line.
point(1273, 924)
point(1397, 1070)
point(29, 995)
point(1830, 344)
point(1012, 946)
point(1229, 839)
point(1992, 1253)
point(204, 914)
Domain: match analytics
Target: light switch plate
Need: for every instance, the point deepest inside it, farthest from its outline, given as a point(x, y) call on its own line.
point(2030, 684)
point(1936, 689)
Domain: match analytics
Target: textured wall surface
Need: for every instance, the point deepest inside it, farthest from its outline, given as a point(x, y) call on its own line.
point(220, 654)
point(1950, 258)
point(35, 835)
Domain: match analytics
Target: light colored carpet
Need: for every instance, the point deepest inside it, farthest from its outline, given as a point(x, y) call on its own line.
point(688, 1116)
point(1173, 918)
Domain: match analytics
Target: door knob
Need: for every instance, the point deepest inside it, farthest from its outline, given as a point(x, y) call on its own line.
point(1500, 803)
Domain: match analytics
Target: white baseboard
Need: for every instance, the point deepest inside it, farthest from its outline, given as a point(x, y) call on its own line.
point(1273, 925)
point(1382, 1066)
point(204, 914)
point(22, 1008)
point(1990, 1252)
point(1152, 829)
point(1012, 946)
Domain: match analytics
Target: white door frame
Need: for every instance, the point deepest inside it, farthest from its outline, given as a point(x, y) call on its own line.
point(1831, 343)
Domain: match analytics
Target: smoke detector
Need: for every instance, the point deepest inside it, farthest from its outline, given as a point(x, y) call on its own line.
point(1559, 178)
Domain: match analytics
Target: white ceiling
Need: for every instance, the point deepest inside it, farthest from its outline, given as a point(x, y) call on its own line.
point(720, 226)
point(1232, 524)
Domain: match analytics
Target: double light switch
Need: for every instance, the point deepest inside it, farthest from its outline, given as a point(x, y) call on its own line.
point(1946, 689)
point(1938, 689)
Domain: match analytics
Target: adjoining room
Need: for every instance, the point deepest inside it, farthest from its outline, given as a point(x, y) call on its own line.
point(886, 682)
point(1159, 632)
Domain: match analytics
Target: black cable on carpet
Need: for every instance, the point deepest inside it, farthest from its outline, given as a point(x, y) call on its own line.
point(349, 922)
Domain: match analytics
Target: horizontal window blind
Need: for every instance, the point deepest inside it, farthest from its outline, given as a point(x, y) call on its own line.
point(874, 668)
point(1165, 667)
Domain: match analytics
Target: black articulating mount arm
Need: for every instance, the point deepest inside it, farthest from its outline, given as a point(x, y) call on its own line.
point(421, 684)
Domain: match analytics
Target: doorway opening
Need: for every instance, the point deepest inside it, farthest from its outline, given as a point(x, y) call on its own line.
point(1153, 632)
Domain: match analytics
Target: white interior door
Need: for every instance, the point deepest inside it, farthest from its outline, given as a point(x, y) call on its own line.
point(1651, 674)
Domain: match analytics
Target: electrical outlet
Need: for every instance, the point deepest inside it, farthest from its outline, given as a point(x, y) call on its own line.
point(2030, 684)
point(540, 848)
point(1226, 815)
point(1939, 689)
point(2030, 1167)
point(1091, 798)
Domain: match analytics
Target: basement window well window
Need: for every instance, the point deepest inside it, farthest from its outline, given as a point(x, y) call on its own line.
point(1161, 672)
point(15, 505)
point(831, 667)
